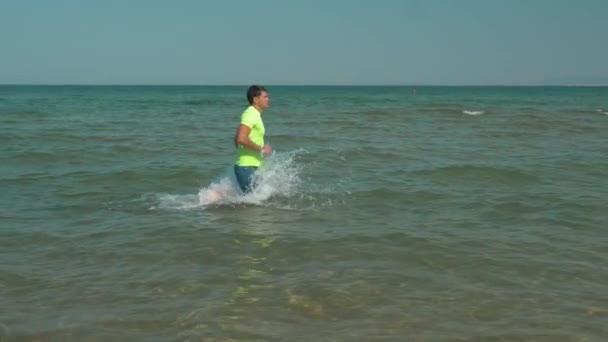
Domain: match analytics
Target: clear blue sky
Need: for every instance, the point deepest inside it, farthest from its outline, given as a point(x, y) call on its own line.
point(447, 42)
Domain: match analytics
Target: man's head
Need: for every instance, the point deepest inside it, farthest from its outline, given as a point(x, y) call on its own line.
point(258, 97)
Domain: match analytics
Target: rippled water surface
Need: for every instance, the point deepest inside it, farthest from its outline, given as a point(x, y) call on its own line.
point(386, 213)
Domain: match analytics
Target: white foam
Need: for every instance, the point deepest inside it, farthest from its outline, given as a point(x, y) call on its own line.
point(279, 176)
point(224, 190)
point(179, 202)
point(472, 112)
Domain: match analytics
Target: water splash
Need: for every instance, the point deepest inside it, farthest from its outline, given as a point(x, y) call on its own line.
point(179, 202)
point(279, 177)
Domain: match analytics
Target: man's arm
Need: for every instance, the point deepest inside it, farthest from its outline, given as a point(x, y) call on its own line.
point(242, 138)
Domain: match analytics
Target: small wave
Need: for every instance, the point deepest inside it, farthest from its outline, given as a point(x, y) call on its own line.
point(385, 112)
point(62, 135)
point(182, 112)
point(443, 110)
point(584, 111)
point(480, 173)
point(305, 140)
point(209, 102)
point(294, 124)
point(529, 110)
point(10, 138)
point(473, 112)
point(37, 157)
point(29, 114)
point(395, 196)
point(577, 111)
point(24, 179)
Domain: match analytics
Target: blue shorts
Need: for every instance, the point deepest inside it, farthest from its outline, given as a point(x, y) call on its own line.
point(244, 176)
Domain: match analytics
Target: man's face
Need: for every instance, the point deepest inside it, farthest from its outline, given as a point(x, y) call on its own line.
point(262, 100)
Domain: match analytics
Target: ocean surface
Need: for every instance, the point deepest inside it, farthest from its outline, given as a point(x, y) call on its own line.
point(385, 214)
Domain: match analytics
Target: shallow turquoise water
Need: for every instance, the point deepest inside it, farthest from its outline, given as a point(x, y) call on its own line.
point(386, 213)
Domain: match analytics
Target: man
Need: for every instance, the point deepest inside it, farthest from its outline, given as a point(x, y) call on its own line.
point(249, 138)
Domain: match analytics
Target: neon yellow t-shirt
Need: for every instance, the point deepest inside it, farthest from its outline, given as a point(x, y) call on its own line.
point(252, 119)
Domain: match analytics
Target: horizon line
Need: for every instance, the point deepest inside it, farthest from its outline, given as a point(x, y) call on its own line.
point(301, 85)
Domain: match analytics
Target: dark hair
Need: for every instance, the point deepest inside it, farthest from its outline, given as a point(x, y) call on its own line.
point(254, 91)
